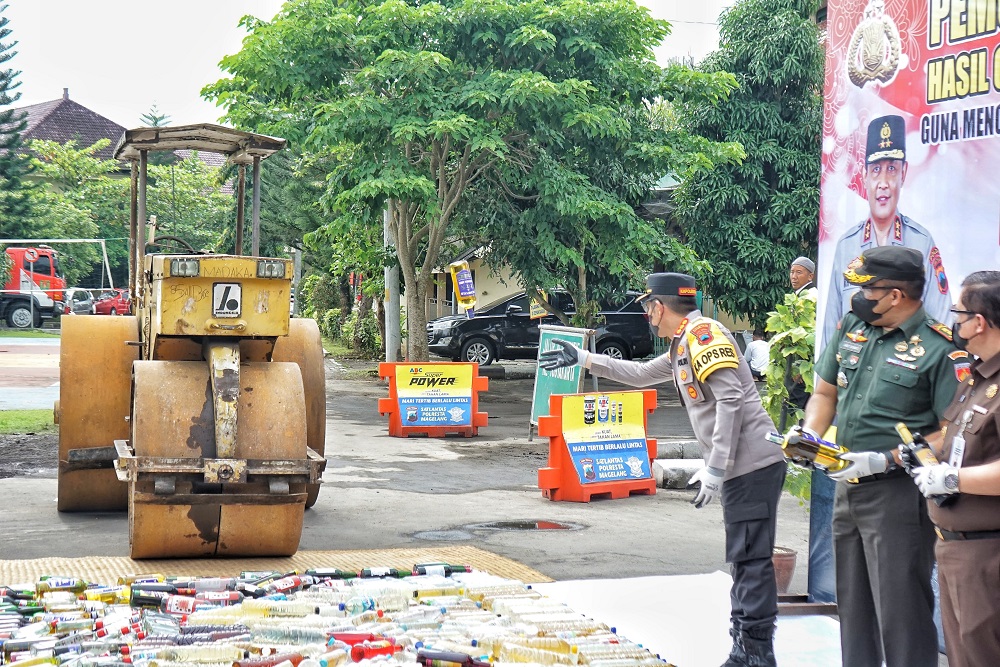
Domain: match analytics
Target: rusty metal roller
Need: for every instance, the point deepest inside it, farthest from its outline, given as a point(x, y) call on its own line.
point(173, 510)
point(95, 361)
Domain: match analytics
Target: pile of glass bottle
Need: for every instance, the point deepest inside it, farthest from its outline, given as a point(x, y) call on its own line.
point(437, 615)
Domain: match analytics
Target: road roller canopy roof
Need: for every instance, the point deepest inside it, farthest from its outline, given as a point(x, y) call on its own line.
point(238, 146)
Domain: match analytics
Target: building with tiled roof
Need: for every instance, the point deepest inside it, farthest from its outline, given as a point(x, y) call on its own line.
point(64, 120)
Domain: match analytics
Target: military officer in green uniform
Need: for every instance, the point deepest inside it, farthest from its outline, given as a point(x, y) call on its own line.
point(742, 468)
point(889, 362)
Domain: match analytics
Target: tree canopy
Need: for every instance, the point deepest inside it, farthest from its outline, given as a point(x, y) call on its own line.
point(543, 104)
point(15, 202)
point(750, 220)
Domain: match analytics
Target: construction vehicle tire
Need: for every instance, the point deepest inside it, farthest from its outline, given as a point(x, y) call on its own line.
point(178, 515)
point(304, 346)
point(95, 377)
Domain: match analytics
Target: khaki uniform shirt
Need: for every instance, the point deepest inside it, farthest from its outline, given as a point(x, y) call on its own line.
point(908, 374)
point(975, 416)
point(726, 414)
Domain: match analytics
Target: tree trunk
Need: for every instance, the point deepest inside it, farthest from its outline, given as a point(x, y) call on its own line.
point(364, 307)
point(380, 318)
point(416, 320)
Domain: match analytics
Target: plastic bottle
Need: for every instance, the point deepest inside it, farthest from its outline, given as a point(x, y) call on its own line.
point(222, 598)
point(510, 652)
point(333, 658)
point(465, 287)
point(270, 661)
point(367, 650)
point(130, 579)
point(203, 653)
point(71, 584)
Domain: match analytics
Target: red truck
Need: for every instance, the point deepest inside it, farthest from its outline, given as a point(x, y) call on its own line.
point(24, 305)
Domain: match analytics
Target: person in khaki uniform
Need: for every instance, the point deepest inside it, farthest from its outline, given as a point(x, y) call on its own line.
point(742, 467)
point(965, 486)
point(888, 362)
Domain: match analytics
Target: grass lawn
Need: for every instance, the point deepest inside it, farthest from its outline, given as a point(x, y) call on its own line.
point(28, 333)
point(26, 421)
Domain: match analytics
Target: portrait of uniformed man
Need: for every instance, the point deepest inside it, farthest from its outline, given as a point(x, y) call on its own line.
point(884, 176)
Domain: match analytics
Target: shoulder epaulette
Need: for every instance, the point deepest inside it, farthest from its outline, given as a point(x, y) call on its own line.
point(942, 329)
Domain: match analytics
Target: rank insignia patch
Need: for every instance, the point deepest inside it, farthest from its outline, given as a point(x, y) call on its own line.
point(942, 329)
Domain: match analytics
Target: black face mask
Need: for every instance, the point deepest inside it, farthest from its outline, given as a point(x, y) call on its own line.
point(958, 339)
point(865, 308)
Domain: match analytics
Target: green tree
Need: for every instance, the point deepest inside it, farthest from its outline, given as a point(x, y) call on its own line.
point(153, 117)
point(414, 104)
point(750, 220)
point(15, 198)
point(188, 201)
point(579, 201)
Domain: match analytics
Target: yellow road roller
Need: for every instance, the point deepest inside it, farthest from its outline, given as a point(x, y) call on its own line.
point(204, 414)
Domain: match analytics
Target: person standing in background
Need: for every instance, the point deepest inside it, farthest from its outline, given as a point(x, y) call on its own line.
point(758, 355)
point(802, 274)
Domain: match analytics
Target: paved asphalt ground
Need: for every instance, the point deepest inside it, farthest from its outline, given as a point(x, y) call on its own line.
point(383, 492)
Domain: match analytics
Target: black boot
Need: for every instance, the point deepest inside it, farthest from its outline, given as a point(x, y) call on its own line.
point(758, 643)
point(737, 656)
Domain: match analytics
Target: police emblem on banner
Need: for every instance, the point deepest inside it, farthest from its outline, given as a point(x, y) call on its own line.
point(875, 48)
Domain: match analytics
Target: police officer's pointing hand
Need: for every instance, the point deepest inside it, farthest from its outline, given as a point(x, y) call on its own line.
point(568, 355)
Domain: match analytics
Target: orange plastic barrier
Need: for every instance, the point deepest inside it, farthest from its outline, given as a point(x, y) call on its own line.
point(433, 399)
point(603, 456)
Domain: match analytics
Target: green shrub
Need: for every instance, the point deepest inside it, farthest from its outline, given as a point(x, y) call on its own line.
point(330, 325)
point(318, 294)
point(371, 341)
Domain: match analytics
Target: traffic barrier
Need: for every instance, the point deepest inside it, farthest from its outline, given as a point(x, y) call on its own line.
point(433, 399)
point(598, 446)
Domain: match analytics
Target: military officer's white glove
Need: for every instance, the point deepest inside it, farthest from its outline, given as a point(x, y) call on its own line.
point(794, 435)
point(861, 464)
point(711, 485)
point(567, 355)
point(939, 480)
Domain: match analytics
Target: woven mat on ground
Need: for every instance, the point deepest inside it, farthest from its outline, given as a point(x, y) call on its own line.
point(107, 569)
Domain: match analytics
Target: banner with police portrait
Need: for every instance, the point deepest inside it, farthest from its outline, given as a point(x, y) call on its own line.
point(911, 143)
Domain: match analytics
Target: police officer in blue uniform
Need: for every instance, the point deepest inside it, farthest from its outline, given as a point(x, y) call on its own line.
point(885, 173)
point(742, 467)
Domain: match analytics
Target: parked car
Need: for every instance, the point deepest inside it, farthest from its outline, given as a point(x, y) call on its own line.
point(113, 302)
point(504, 330)
point(79, 302)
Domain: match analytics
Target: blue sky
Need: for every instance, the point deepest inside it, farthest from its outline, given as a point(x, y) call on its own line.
point(119, 57)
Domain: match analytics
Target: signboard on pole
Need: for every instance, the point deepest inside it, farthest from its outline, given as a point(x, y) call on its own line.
point(562, 380)
point(911, 143)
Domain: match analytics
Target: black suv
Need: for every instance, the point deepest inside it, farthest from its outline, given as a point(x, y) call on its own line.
point(504, 330)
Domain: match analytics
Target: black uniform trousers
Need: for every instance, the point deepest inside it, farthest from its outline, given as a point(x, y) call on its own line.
point(750, 512)
point(884, 552)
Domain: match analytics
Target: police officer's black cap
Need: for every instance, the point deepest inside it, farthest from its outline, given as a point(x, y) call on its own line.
point(886, 139)
point(890, 262)
point(669, 284)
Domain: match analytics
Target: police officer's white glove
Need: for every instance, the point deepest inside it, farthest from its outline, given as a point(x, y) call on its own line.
point(861, 464)
point(568, 355)
point(939, 480)
point(711, 485)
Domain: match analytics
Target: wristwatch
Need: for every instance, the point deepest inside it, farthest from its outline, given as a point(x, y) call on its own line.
point(951, 482)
